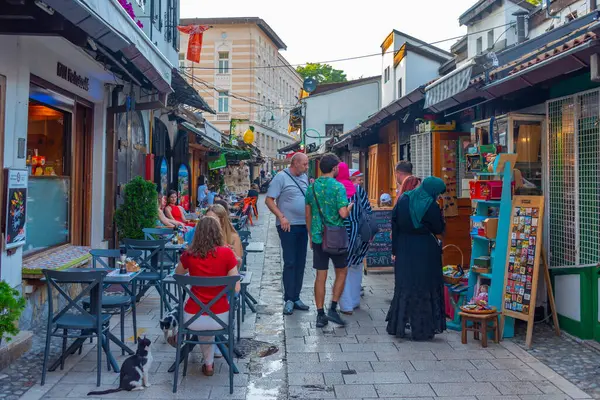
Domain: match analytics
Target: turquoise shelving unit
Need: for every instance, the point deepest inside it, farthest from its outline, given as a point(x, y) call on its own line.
point(497, 248)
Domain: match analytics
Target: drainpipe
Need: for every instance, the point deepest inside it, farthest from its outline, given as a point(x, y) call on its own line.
point(520, 25)
point(593, 5)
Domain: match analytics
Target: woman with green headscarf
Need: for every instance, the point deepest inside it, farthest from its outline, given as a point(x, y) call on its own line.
point(419, 291)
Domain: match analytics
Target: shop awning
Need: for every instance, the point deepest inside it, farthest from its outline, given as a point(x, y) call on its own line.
point(448, 86)
point(290, 147)
point(184, 93)
point(205, 136)
point(121, 35)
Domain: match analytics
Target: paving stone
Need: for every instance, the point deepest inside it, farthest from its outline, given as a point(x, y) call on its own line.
point(385, 366)
point(360, 366)
point(301, 378)
point(402, 356)
point(359, 391)
point(324, 366)
point(527, 375)
point(404, 390)
point(385, 347)
point(509, 364)
point(303, 357)
point(376, 377)
point(462, 355)
point(462, 389)
point(548, 388)
point(517, 388)
point(438, 376)
point(348, 356)
point(482, 364)
point(444, 365)
point(492, 376)
point(311, 392)
point(333, 378)
point(545, 397)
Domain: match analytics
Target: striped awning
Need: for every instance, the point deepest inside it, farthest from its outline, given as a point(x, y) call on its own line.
point(449, 85)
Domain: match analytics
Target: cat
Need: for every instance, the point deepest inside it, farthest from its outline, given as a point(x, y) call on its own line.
point(134, 371)
point(169, 325)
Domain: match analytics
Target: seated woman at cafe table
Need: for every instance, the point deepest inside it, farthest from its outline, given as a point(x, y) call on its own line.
point(163, 221)
point(176, 212)
point(232, 239)
point(208, 256)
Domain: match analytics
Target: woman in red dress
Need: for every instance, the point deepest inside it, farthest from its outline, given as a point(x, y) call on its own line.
point(173, 211)
point(208, 256)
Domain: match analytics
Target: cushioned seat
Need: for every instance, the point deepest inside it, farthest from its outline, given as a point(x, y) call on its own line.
point(149, 276)
point(76, 321)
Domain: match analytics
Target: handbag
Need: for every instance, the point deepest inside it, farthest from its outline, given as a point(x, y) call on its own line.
point(335, 238)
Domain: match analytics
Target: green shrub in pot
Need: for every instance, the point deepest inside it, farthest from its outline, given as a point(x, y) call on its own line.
point(139, 209)
point(12, 305)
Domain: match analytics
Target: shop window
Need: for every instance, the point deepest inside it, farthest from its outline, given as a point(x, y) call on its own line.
point(400, 88)
point(48, 197)
point(490, 39)
point(223, 62)
point(479, 45)
point(182, 62)
point(224, 102)
point(386, 75)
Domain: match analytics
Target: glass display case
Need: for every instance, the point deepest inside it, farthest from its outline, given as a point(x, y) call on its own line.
point(516, 133)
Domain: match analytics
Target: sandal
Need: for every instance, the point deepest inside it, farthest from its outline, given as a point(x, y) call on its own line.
point(206, 372)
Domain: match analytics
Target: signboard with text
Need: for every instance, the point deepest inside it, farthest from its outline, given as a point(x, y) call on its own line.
point(16, 207)
point(379, 255)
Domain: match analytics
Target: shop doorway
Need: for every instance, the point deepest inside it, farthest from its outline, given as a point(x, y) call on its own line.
point(59, 159)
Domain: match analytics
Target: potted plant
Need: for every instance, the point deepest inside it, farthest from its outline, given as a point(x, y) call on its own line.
point(139, 209)
point(11, 308)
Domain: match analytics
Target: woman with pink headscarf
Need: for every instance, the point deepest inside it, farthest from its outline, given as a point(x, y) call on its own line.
point(357, 249)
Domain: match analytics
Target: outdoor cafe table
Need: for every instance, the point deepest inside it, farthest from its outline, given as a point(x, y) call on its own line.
point(114, 279)
point(246, 277)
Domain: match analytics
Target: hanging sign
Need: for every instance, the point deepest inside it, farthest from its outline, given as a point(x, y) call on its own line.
point(16, 206)
point(219, 163)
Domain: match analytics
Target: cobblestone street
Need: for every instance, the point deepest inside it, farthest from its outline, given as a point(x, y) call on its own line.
point(357, 362)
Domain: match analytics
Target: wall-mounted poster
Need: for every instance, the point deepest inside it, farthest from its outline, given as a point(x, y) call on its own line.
point(16, 206)
point(183, 187)
point(164, 177)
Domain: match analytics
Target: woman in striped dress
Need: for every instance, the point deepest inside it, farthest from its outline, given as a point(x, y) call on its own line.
point(357, 249)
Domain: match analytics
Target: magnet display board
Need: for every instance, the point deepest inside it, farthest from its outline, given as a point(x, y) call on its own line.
point(523, 260)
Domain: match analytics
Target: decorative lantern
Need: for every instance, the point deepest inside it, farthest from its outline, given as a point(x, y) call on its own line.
point(249, 135)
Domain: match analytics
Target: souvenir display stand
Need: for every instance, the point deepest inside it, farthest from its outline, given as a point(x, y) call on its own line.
point(490, 245)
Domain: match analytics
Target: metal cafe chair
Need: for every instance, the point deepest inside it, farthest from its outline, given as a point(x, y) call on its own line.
point(104, 258)
point(151, 263)
point(161, 234)
point(187, 336)
point(73, 317)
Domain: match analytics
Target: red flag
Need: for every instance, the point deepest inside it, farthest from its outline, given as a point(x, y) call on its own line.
point(195, 42)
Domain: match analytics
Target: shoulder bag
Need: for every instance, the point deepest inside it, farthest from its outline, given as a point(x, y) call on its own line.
point(335, 238)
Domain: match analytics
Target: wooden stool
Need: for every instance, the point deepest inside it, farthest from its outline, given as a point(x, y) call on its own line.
point(480, 325)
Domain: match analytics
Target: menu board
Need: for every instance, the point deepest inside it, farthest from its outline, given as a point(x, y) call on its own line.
point(525, 242)
point(379, 254)
point(16, 205)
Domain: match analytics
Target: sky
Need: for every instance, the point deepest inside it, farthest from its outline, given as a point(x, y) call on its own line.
point(323, 30)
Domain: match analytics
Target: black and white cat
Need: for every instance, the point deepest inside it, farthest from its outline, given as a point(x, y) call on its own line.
point(169, 325)
point(134, 371)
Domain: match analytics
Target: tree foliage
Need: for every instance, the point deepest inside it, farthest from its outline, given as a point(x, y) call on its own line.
point(323, 73)
point(139, 209)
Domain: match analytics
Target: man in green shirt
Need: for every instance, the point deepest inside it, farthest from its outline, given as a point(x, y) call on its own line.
point(333, 202)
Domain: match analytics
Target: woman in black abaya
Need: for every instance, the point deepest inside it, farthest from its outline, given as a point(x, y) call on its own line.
point(419, 288)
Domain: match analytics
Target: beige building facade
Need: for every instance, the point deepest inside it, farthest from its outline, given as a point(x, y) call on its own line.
point(243, 76)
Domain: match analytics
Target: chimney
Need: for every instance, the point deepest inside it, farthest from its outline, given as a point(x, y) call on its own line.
point(520, 25)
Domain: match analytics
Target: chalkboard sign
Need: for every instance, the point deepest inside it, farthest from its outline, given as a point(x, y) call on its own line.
point(379, 255)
